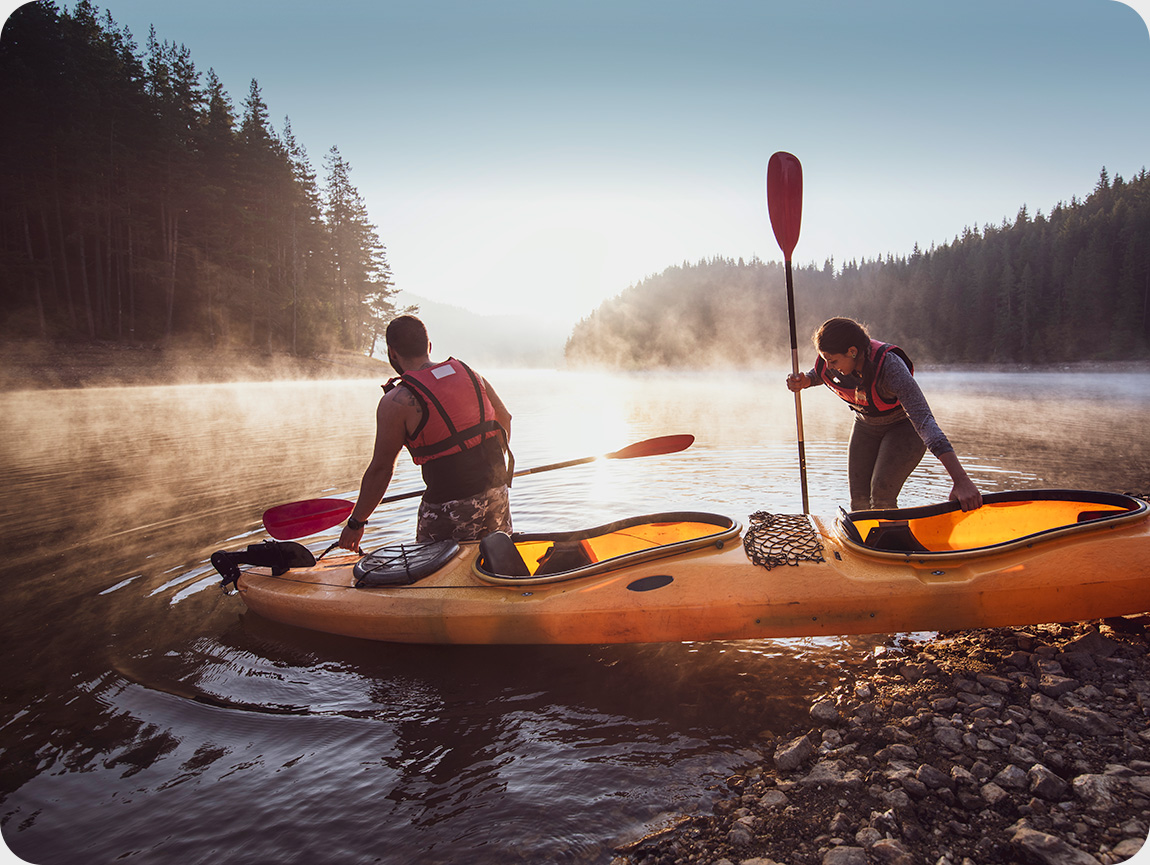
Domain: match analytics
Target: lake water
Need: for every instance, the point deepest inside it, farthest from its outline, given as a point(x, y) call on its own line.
point(148, 717)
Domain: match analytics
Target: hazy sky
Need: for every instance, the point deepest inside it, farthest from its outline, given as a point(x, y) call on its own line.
point(541, 156)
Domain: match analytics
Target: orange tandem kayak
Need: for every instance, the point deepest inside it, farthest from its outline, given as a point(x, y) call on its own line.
point(1023, 558)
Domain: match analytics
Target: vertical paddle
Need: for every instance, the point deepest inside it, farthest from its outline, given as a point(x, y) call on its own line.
point(785, 206)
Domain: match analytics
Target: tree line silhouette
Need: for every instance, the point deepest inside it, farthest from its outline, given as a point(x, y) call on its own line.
point(1071, 286)
point(138, 206)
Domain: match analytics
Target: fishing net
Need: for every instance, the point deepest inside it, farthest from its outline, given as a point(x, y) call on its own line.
point(781, 539)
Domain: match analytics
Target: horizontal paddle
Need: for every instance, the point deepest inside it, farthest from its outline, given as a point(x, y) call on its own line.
point(297, 519)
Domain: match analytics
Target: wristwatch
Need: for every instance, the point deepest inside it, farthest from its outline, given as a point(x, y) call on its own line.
point(355, 525)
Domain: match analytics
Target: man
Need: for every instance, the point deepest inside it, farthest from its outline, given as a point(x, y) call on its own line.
point(456, 429)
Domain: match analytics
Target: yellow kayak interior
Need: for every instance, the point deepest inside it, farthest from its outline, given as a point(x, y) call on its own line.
point(1005, 521)
point(551, 557)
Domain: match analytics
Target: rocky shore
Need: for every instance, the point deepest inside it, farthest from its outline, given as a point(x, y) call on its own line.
point(1027, 745)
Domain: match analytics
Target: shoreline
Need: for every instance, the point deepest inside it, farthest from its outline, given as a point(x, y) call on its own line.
point(38, 365)
point(988, 747)
point(48, 365)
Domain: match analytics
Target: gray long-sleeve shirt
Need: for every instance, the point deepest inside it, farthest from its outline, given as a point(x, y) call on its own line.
point(896, 382)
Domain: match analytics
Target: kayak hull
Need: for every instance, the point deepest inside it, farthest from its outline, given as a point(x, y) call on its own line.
point(716, 592)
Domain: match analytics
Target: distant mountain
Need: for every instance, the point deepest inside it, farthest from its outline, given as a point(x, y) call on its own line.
point(492, 341)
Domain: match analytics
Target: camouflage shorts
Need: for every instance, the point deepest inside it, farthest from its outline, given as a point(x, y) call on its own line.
point(465, 519)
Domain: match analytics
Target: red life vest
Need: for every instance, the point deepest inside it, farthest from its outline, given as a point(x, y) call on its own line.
point(861, 392)
point(457, 414)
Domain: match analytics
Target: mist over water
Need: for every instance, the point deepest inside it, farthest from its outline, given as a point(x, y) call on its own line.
point(146, 714)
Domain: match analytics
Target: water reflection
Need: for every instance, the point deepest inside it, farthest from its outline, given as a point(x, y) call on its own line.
point(146, 713)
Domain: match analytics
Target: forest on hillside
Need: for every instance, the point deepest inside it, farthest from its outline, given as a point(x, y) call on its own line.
point(1071, 286)
point(137, 205)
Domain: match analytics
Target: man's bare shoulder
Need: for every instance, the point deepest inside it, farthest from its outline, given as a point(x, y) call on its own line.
point(399, 406)
point(401, 396)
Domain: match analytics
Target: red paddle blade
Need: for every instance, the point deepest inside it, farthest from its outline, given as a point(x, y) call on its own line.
point(297, 519)
point(653, 447)
point(785, 199)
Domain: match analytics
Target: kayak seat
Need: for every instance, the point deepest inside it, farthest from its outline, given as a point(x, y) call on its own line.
point(563, 556)
point(499, 555)
point(895, 536)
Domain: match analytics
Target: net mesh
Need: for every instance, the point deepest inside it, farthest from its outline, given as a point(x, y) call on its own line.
point(781, 539)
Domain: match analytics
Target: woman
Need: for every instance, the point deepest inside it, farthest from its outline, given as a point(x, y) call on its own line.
point(893, 426)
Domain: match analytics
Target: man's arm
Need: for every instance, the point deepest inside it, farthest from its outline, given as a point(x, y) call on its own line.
point(391, 418)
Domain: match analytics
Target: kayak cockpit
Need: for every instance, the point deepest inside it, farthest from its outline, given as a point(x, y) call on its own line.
point(1005, 520)
point(539, 558)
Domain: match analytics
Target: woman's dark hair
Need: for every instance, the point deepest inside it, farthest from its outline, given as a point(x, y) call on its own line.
point(406, 336)
point(838, 335)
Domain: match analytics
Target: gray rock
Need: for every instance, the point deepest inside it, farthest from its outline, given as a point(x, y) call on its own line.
point(1055, 686)
point(995, 683)
point(1011, 778)
point(932, 777)
point(1128, 848)
point(1045, 783)
point(828, 772)
point(1094, 644)
point(845, 856)
point(773, 799)
point(890, 852)
point(740, 835)
point(825, 712)
point(1049, 849)
point(1079, 719)
point(949, 738)
point(1097, 791)
point(1021, 756)
point(992, 793)
point(793, 754)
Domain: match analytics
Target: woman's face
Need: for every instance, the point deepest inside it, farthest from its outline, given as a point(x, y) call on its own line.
point(844, 364)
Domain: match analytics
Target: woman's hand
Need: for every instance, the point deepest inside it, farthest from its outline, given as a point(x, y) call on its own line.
point(796, 381)
point(966, 494)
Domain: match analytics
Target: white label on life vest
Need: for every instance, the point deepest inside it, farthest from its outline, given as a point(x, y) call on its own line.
point(443, 371)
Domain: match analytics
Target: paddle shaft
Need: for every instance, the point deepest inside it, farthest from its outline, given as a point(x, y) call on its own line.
point(649, 447)
point(798, 398)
